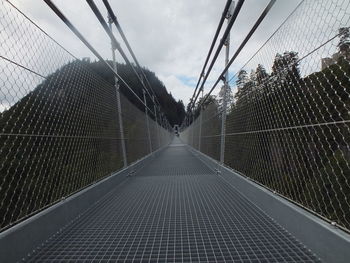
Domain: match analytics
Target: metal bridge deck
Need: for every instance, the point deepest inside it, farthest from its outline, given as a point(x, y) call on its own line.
point(174, 210)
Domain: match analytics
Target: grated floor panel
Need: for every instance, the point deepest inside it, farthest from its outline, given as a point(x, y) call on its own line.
point(174, 210)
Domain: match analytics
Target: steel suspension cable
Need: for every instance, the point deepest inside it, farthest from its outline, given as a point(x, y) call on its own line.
point(218, 29)
point(116, 44)
point(121, 32)
point(246, 39)
point(114, 19)
point(55, 9)
point(222, 42)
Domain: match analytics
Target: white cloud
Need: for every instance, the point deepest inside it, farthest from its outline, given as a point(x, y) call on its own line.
point(177, 88)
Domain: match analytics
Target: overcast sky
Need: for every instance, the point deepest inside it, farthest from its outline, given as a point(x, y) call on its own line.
point(169, 37)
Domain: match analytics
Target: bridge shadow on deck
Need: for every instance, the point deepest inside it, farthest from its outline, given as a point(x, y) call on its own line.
point(175, 209)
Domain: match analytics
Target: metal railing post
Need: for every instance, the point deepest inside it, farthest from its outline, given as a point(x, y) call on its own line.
point(161, 128)
point(200, 129)
point(119, 107)
point(156, 119)
point(147, 121)
point(192, 124)
point(226, 87)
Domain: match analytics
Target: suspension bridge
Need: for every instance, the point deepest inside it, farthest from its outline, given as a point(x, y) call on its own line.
point(87, 175)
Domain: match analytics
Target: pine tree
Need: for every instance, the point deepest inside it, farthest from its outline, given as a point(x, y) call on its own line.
point(262, 79)
point(261, 74)
point(229, 97)
point(244, 87)
point(344, 40)
point(242, 78)
point(285, 67)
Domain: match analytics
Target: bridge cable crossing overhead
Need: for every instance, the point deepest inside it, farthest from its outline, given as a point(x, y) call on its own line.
point(218, 29)
point(114, 19)
point(221, 44)
point(115, 42)
point(267, 40)
point(239, 49)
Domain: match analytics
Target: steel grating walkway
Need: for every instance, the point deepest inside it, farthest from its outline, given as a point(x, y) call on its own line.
point(174, 210)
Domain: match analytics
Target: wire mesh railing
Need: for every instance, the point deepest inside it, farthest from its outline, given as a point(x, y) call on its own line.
point(59, 121)
point(136, 132)
point(288, 127)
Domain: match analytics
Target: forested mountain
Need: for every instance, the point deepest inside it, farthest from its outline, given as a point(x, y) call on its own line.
point(174, 110)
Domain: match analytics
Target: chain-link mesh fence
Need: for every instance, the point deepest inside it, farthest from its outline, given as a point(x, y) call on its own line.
point(59, 121)
point(289, 125)
point(204, 133)
point(136, 132)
